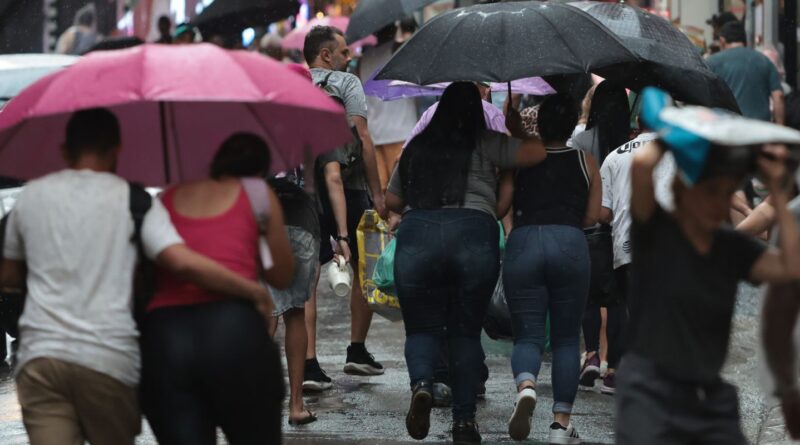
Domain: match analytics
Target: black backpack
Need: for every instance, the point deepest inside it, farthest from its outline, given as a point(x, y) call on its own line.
point(352, 153)
point(144, 274)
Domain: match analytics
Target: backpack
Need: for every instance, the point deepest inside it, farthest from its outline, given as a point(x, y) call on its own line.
point(352, 153)
point(144, 273)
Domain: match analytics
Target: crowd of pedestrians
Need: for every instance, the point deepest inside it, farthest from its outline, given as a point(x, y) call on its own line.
point(624, 254)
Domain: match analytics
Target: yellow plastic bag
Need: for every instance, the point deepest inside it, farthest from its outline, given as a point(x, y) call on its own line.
point(373, 236)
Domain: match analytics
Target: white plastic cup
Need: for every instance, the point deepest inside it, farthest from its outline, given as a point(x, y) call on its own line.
point(339, 277)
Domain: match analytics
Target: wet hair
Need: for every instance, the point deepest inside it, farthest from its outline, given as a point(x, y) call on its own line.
point(409, 25)
point(733, 32)
point(558, 115)
point(610, 114)
point(164, 23)
point(95, 130)
point(317, 39)
point(434, 167)
point(241, 155)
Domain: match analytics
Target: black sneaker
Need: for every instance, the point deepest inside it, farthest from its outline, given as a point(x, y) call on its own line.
point(314, 378)
point(418, 419)
point(466, 433)
point(361, 362)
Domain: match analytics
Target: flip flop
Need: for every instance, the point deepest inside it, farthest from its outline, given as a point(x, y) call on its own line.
point(311, 418)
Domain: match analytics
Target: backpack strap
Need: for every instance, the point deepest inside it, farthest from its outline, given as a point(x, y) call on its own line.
point(139, 203)
point(258, 195)
point(324, 83)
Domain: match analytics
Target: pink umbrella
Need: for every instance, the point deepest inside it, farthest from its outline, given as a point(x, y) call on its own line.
point(176, 105)
point(297, 37)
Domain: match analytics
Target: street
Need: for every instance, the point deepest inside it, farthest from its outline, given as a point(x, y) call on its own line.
point(371, 410)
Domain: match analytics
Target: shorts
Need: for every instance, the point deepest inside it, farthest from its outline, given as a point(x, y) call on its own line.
point(358, 201)
point(305, 248)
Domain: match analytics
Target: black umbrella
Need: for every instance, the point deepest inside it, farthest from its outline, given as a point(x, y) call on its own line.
point(372, 15)
point(501, 42)
point(225, 17)
point(113, 43)
point(670, 60)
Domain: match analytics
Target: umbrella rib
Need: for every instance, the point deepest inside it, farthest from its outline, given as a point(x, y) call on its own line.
point(270, 137)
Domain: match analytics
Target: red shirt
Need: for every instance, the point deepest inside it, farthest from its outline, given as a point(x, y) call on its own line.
point(230, 238)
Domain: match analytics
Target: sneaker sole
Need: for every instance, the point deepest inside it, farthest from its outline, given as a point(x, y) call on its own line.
point(519, 426)
point(565, 441)
point(361, 369)
point(418, 419)
point(313, 385)
point(466, 442)
point(589, 375)
point(607, 390)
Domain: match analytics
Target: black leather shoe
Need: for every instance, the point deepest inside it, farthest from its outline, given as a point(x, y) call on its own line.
point(418, 419)
point(466, 433)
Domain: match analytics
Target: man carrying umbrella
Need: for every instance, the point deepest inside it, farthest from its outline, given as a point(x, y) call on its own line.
point(327, 54)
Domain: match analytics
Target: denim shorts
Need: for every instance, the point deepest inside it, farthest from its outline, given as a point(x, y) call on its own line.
point(306, 265)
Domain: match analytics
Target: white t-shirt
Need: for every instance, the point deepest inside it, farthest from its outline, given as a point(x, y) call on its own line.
point(73, 231)
point(390, 122)
point(616, 176)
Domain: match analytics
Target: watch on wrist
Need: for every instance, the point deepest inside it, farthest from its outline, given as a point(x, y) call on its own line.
point(344, 238)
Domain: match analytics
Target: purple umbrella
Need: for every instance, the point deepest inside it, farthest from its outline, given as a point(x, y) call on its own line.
point(397, 89)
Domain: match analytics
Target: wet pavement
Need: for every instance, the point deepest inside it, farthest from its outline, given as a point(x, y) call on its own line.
point(371, 410)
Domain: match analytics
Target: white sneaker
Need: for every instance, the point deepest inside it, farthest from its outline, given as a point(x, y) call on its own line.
point(519, 426)
point(567, 436)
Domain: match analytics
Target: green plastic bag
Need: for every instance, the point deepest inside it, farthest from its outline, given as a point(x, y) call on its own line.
point(383, 275)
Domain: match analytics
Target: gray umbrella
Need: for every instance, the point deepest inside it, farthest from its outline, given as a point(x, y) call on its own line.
point(372, 15)
point(501, 42)
point(669, 60)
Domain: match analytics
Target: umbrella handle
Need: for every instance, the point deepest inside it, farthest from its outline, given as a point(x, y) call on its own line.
point(509, 92)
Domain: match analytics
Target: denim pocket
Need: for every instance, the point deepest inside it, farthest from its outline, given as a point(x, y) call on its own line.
point(517, 243)
point(480, 236)
point(304, 245)
point(412, 238)
point(571, 242)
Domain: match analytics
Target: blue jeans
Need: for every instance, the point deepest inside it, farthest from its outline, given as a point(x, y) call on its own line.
point(547, 268)
point(446, 267)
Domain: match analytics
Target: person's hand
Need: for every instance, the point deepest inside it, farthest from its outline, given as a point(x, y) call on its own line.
point(379, 203)
point(343, 249)
point(790, 405)
point(394, 222)
point(772, 166)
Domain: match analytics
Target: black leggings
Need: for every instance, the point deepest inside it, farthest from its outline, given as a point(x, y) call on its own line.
point(210, 365)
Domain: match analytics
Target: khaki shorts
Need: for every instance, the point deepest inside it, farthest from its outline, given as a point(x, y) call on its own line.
point(67, 404)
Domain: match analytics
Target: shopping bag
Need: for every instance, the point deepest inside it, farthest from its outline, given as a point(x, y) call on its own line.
point(383, 276)
point(373, 236)
point(497, 323)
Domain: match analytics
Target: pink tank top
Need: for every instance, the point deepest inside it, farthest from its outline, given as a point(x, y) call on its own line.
point(230, 239)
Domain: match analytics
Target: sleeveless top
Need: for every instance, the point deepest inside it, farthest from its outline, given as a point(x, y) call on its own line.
point(230, 239)
point(554, 192)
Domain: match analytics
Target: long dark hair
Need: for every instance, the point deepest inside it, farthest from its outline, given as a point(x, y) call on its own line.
point(610, 114)
point(241, 155)
point(435, 165)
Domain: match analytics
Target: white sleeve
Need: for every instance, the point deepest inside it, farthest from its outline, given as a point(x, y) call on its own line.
point(158, 233)
point(607, 177)
point(13, 244)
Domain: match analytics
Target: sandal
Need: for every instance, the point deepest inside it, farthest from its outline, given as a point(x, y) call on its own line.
point(310, 418)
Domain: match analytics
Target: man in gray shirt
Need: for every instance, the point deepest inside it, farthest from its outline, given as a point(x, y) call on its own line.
point(327, 54)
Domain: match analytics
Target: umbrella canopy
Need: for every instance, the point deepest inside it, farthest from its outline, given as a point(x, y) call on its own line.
point(296, 39)
point(372, 15)
point(670, 60)
point(17, 71)
point(226, 17)
point(176, 105)
point(398, 89)
point(501, 42)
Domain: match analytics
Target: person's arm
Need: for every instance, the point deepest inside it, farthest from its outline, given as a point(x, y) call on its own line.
point(781, 265)
point(779, 318)
point(281, 275)
point(643, 197)
point(759, 220)
point(394, 202)
point(505, 193)
point(371, 165)
point(209, 275)
point(606, 215)
point(778, 107)
point(593, 205)
point(13, 274)
point(335, 187)
point(531, 151)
